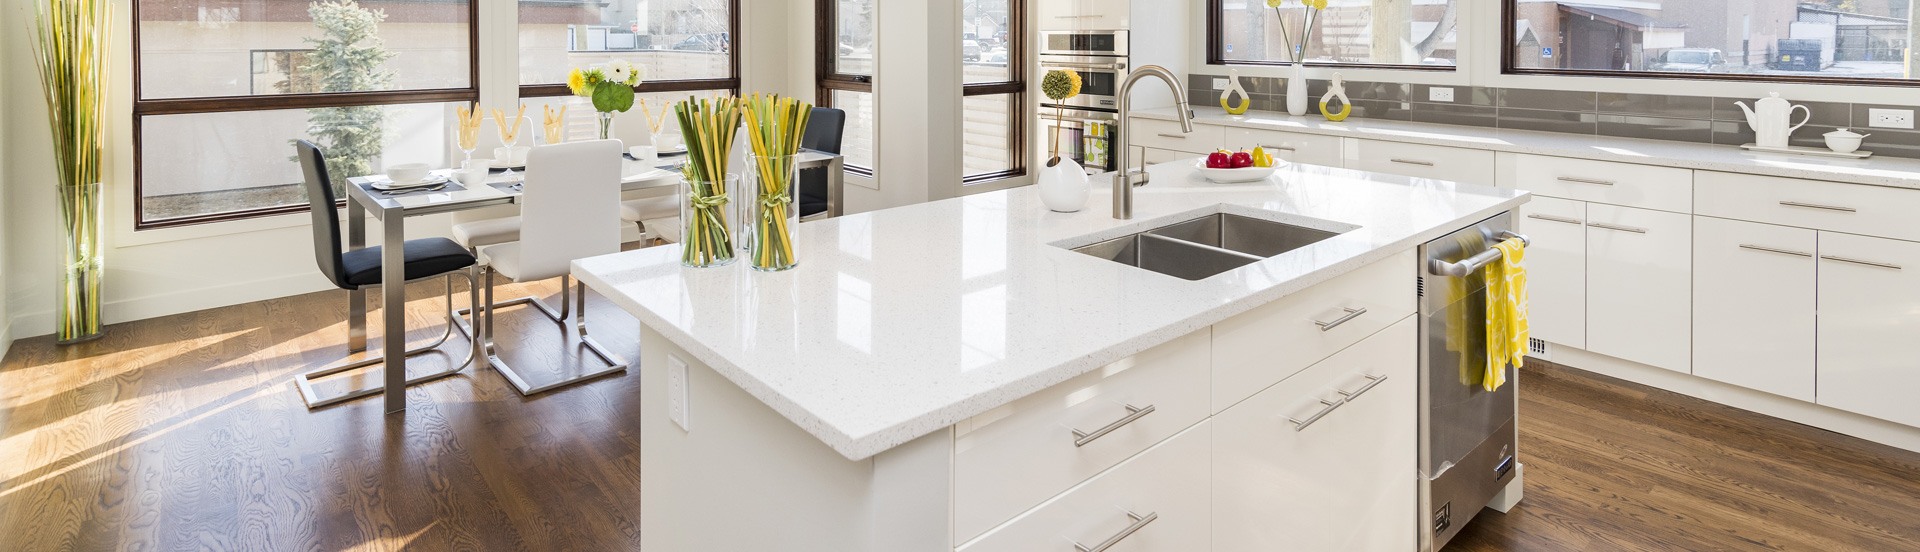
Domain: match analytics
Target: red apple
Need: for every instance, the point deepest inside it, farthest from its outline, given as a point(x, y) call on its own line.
point(1219, 160)
point(1242, 160)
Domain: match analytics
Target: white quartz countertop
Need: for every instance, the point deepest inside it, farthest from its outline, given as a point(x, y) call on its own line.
point(1878, 171)
point(903, 321)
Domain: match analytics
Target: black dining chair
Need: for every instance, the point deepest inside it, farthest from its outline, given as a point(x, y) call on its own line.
point(825, 129)
point(359, 269)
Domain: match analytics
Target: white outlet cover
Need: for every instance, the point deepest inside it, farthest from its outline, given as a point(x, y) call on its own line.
point(1890, 118)
point(677, 391)
point(1219, 83)
point(1440, 94)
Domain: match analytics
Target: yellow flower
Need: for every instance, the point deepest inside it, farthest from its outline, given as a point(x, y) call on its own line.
point(576, 81)
point(1275, 3)
point(1315, 4)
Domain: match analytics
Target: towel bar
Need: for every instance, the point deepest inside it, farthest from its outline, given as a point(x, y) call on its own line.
point(1466, 267)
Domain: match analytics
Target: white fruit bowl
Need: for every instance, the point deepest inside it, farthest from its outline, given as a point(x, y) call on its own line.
point(1233, 176)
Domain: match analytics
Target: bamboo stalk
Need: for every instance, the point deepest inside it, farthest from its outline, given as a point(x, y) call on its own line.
point(69, 50)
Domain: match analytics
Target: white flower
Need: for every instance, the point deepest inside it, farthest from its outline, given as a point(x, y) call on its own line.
point(618, 70)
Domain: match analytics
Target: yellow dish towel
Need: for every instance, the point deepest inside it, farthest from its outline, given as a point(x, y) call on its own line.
point(1506, 313)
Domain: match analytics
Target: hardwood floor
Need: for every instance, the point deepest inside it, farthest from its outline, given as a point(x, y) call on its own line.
point(185, 433)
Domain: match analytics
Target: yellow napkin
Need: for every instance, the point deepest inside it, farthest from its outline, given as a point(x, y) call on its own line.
point(1460, 341)
point(1506, 312)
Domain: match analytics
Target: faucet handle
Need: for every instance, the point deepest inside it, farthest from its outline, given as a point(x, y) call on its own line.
point(1144, 176)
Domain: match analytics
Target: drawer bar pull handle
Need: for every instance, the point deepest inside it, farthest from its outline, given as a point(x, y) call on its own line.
point(1585, 181)
point(1301, 425)
point(1081, 438)
point(1775, 250)
point(1373, 380)
point(1281, 148)
point(1413, 162)
point(1351, 314)
point(1620, 228)
point(1139, 521)
point(1553, 218)
point(1818, 206)
point(1860, 262)
point(1170, 135)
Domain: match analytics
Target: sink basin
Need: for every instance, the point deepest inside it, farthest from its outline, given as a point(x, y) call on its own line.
point(1205, 246)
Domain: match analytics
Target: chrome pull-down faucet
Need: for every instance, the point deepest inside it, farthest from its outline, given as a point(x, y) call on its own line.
point(1123, 181)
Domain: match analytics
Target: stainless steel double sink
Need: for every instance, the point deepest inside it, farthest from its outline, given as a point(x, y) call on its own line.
point(1205, 246)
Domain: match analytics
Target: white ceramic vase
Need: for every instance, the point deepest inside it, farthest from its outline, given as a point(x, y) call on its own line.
point(1064, 186)
point(1297, 91)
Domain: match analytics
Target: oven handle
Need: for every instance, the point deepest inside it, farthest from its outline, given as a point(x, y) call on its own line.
point(1107, 66)
point(1072, 119)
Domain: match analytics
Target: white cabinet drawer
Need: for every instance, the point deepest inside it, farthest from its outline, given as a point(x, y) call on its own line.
point(1166, 487)
point(1643, 186)
point(1085, 15)
point(1155, 133)
point(1461, 165)
point(1753, 309)
point(1869, 297)
point(1346, 480)
point(1157, 156)
point(1014, 457)
point(1851, 208)
point(1312, 149)
point(1265, 345)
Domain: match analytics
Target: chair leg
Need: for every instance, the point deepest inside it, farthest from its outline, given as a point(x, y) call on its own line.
point(571, 292)
point(487, 274)
point(313, 398)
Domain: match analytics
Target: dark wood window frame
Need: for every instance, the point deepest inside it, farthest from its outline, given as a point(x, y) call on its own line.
point(1017, 88)
point(143, 108)
point(1506, 67)
point(826, 65)
point(1216, 53)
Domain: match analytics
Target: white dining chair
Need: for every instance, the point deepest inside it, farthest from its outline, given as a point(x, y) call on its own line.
point(571, 195)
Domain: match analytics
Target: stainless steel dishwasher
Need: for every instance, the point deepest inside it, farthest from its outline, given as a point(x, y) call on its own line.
point(1468, 439)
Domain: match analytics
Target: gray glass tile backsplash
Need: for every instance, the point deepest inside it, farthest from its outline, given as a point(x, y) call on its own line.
point(1699, 119)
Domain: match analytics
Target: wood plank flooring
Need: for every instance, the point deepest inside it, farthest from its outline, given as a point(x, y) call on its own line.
point(185, 433)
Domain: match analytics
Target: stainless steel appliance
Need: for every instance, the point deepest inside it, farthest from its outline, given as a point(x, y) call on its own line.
point(1468, 439)
point(1086, 122)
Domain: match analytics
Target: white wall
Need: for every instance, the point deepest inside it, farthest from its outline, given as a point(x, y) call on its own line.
point(10, 16)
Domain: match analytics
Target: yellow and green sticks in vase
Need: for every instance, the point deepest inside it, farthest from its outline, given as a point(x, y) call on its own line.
point(71, 42)
point(775, 126)
point(708, 127)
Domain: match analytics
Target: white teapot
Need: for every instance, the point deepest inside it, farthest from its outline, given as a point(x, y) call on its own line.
point(1771, 119)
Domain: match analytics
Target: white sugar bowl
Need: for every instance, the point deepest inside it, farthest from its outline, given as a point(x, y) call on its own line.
point(1844, 141)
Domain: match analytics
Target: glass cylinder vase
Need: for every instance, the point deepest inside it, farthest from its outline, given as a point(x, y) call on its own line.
point(707, 219)
point(772, 215)
point(606, 125)
point(81, 264)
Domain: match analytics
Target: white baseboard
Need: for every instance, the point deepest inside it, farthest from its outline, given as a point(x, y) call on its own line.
point(1794, 410)
point(6, 337)
point(151, 306)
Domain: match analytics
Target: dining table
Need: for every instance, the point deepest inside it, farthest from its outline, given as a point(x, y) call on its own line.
point(391, 210)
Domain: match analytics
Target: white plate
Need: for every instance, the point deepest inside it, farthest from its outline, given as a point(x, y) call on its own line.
point(430, 180)
point(1232, 176)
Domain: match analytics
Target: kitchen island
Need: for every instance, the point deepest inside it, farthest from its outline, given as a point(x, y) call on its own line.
point(954, 376)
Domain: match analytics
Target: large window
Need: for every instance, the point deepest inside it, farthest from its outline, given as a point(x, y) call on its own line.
point(1844, 41)
point(993, 129)
point(1405, 34)
point(221, 88)
point(844, 71)
point(684, 44)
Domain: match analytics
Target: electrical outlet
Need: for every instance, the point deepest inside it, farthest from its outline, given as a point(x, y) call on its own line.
point(1219, 83)
point(677, 391)
point(1890, 118)
point(1439, 94)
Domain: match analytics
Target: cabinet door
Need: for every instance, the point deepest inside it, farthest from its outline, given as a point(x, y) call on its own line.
point(1639, 285)
point(1345, 481)
point(1753, 305)
point(1869, 359)
point(1556, 269)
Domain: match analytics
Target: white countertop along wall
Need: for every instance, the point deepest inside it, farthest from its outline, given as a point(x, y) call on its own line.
point(1878, 171)
point(903, 321)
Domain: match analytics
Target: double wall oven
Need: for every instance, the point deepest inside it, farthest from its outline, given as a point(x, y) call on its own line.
point(1084, 124)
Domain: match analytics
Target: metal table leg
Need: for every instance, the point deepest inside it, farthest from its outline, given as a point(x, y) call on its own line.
point(393, 308)
point(356, 299)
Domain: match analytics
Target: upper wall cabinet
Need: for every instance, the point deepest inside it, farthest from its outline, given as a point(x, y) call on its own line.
point(1077, 15)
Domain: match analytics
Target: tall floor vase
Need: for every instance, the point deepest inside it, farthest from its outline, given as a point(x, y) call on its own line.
point(82, 264)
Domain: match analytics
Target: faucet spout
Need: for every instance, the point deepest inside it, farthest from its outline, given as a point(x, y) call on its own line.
point(1123, 181)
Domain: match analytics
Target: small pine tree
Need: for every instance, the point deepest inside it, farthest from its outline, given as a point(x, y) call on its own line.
point(347, 58)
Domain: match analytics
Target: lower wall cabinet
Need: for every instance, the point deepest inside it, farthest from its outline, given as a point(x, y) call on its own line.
point(1753, 305)
point(1331, 433)
point(1869, 328)
point(1155, 501)
point(1556, 269)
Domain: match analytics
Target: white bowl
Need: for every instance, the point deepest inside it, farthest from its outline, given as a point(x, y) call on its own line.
point(407, 172)
point(1231, 176)
point(1844, 144)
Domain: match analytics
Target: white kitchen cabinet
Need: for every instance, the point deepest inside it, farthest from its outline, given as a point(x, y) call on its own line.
point(1085, 15)
point(1295, 147)
point(1356, 460)
point(1753, 305)
point(1626, 184)
point(1869, 296)
point(1556, 269)
point(1155, 502)
point(1466, 166)
point(1168, 135)
point(1157, 156)
point(1308, 325)
point(1639, 285)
